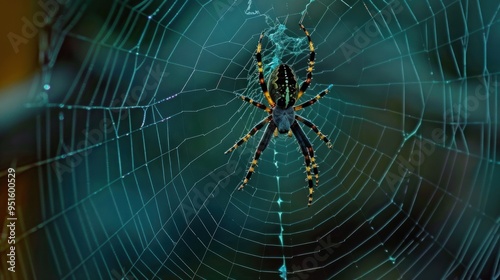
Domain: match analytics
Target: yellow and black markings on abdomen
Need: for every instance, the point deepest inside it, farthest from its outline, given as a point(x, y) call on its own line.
point(283, 86)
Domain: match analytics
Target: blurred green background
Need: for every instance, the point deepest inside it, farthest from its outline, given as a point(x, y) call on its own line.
point(116, 116)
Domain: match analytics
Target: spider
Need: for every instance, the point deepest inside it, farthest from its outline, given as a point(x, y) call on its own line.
point(283, 93)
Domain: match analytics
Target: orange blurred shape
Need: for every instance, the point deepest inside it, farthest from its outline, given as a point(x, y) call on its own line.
point(19, 44)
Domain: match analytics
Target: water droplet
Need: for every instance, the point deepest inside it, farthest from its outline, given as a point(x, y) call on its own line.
point(279, 201)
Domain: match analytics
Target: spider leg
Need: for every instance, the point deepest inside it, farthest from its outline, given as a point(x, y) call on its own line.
point(262, 146)
point(250, 134)
point(262, 82)
point(309, 159)
point(312, 54)
point(315, 129)
point(257, 104)
point(313, 100)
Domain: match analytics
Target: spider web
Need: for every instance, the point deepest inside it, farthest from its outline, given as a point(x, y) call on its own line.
point(137, 101)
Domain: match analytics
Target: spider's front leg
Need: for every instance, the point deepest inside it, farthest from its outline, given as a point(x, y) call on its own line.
point(262, 146)
point(262, 82)
point(312, 54)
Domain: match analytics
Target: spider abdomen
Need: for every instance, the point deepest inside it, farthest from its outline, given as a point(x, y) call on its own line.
point(283, 86)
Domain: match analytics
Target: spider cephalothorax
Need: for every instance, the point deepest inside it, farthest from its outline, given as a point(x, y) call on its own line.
point(283, 118)
point(283, 93)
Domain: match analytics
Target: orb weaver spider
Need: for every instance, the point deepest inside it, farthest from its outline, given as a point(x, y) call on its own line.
point(284, 92)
